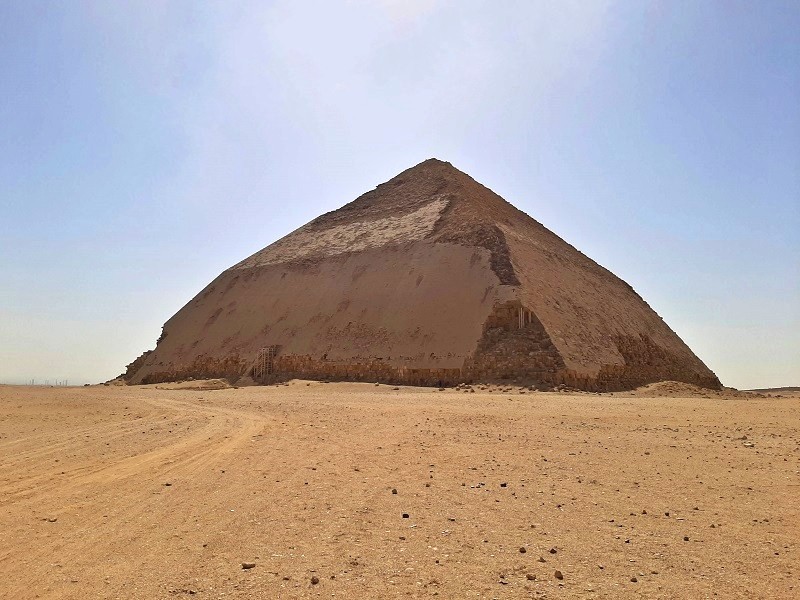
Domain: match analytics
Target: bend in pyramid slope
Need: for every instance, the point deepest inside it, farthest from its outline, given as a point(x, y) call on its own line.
point(402, 210)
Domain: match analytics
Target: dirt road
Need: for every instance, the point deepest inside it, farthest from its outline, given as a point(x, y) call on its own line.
point(138, 492)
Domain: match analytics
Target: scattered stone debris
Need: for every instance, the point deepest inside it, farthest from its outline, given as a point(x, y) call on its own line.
point(189, 591)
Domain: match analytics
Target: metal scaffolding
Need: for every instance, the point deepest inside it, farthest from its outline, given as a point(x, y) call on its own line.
point(265, 362)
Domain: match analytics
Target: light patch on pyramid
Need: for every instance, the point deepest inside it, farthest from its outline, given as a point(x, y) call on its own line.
point(307, 241)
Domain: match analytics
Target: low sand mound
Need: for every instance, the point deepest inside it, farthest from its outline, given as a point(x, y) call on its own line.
point(673, 389)
point(679, 389)
point(200, 384)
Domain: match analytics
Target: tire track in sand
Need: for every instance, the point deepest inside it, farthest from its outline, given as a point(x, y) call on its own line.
point(119, 494)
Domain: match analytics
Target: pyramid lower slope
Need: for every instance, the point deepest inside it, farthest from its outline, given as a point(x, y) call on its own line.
point(431, 278)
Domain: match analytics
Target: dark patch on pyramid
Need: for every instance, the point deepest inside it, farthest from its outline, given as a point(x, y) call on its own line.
point(430, 278)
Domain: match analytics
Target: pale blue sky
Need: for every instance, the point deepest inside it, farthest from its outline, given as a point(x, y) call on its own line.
point(146, 146)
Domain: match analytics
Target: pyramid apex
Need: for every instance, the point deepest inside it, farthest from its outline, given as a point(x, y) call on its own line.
point(435, 163)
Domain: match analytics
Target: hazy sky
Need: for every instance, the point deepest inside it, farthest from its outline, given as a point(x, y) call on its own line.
point(147, 146)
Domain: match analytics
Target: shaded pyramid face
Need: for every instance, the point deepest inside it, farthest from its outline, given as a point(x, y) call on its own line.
point(431, 278)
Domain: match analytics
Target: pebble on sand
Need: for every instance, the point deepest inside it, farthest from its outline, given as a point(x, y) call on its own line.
point(248, 565)
point(314, 580)
point(559, 575)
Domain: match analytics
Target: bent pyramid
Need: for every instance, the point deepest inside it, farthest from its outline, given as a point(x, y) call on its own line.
point(430, 278)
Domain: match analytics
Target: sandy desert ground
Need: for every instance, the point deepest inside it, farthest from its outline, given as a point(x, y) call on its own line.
point(140, 492)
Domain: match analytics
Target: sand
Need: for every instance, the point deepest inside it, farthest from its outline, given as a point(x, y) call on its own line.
point(138, 492)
